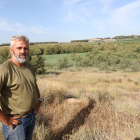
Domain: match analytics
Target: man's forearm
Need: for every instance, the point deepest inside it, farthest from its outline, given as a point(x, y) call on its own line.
point(38, 93)
point(2, 116)
point(39, 102)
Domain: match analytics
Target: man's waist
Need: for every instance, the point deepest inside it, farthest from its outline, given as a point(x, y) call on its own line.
point(22, 115)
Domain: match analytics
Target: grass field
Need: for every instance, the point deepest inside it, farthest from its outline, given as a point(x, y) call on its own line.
point(99, 106)
point(53, 59)
point(126, 40)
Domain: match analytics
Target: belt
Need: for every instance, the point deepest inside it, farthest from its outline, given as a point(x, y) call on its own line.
point(29, 113)
point(24, 115)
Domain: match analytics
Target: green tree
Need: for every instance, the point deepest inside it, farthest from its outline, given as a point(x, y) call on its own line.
point(62, 63)
point(4, 55)
point(38, 63)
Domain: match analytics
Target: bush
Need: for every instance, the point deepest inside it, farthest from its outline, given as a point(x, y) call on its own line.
point(38, 63)
point(62, 63)
point(4, 55)
point(36, 51)
point(85, 62)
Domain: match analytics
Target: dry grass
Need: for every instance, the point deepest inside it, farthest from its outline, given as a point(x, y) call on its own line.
point(115, 116)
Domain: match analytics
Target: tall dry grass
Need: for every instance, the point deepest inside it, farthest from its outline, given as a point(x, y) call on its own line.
point(67, 112)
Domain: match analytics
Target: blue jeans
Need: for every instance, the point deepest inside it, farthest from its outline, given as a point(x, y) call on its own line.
point(24, 131)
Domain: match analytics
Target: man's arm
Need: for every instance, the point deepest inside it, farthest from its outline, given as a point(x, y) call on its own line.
point(39, 102)
point(38, 93)
point(9, 120)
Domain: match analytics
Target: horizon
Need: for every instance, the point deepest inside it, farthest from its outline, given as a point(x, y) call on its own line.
point(64, 20)
point(74, 40)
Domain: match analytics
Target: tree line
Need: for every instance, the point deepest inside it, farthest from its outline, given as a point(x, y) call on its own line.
point(126, 37)
point(84, 40)
point(106, 56)
point(60, 49)
point(36, 51)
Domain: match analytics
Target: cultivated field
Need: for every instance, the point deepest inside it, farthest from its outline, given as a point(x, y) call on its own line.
point(53, 59)
point(89, 105)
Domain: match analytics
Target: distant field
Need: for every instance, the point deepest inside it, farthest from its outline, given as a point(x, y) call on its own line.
point(53, 59)
point(126, 40)
point(117, 41)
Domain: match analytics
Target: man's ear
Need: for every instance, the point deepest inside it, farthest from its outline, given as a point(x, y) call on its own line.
point(10, 49)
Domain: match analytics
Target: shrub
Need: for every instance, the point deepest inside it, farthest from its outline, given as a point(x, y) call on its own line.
point(73, 56)
point(85, 62)
point(35, 51)
point(38, 63)
point(4, 55)
point(78, 58)
point(62, 63)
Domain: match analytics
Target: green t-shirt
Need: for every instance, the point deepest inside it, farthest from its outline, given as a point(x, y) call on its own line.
point(17, 88)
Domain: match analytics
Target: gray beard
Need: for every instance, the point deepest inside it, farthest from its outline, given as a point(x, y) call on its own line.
point(20, 60)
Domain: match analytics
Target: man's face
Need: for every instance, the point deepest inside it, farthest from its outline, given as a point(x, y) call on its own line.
point(20, 51)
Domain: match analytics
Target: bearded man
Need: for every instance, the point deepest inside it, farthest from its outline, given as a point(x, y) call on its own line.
point(20, 97)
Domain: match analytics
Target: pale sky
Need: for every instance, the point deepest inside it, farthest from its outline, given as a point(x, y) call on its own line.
point(66, 20)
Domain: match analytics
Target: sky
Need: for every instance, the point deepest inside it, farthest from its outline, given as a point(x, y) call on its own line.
point(66, 20)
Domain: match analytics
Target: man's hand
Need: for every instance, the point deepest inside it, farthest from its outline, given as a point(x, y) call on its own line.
point(37, 108)
point(11, 121)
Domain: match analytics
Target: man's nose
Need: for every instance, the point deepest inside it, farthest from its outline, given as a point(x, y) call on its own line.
point(22, 50)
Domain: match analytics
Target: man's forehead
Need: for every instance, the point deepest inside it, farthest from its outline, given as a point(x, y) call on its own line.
point(21, 42)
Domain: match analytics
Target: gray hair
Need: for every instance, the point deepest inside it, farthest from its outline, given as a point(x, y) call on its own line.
point(18, 37)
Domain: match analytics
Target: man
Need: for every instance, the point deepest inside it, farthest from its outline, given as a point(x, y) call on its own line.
point(20, 97)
